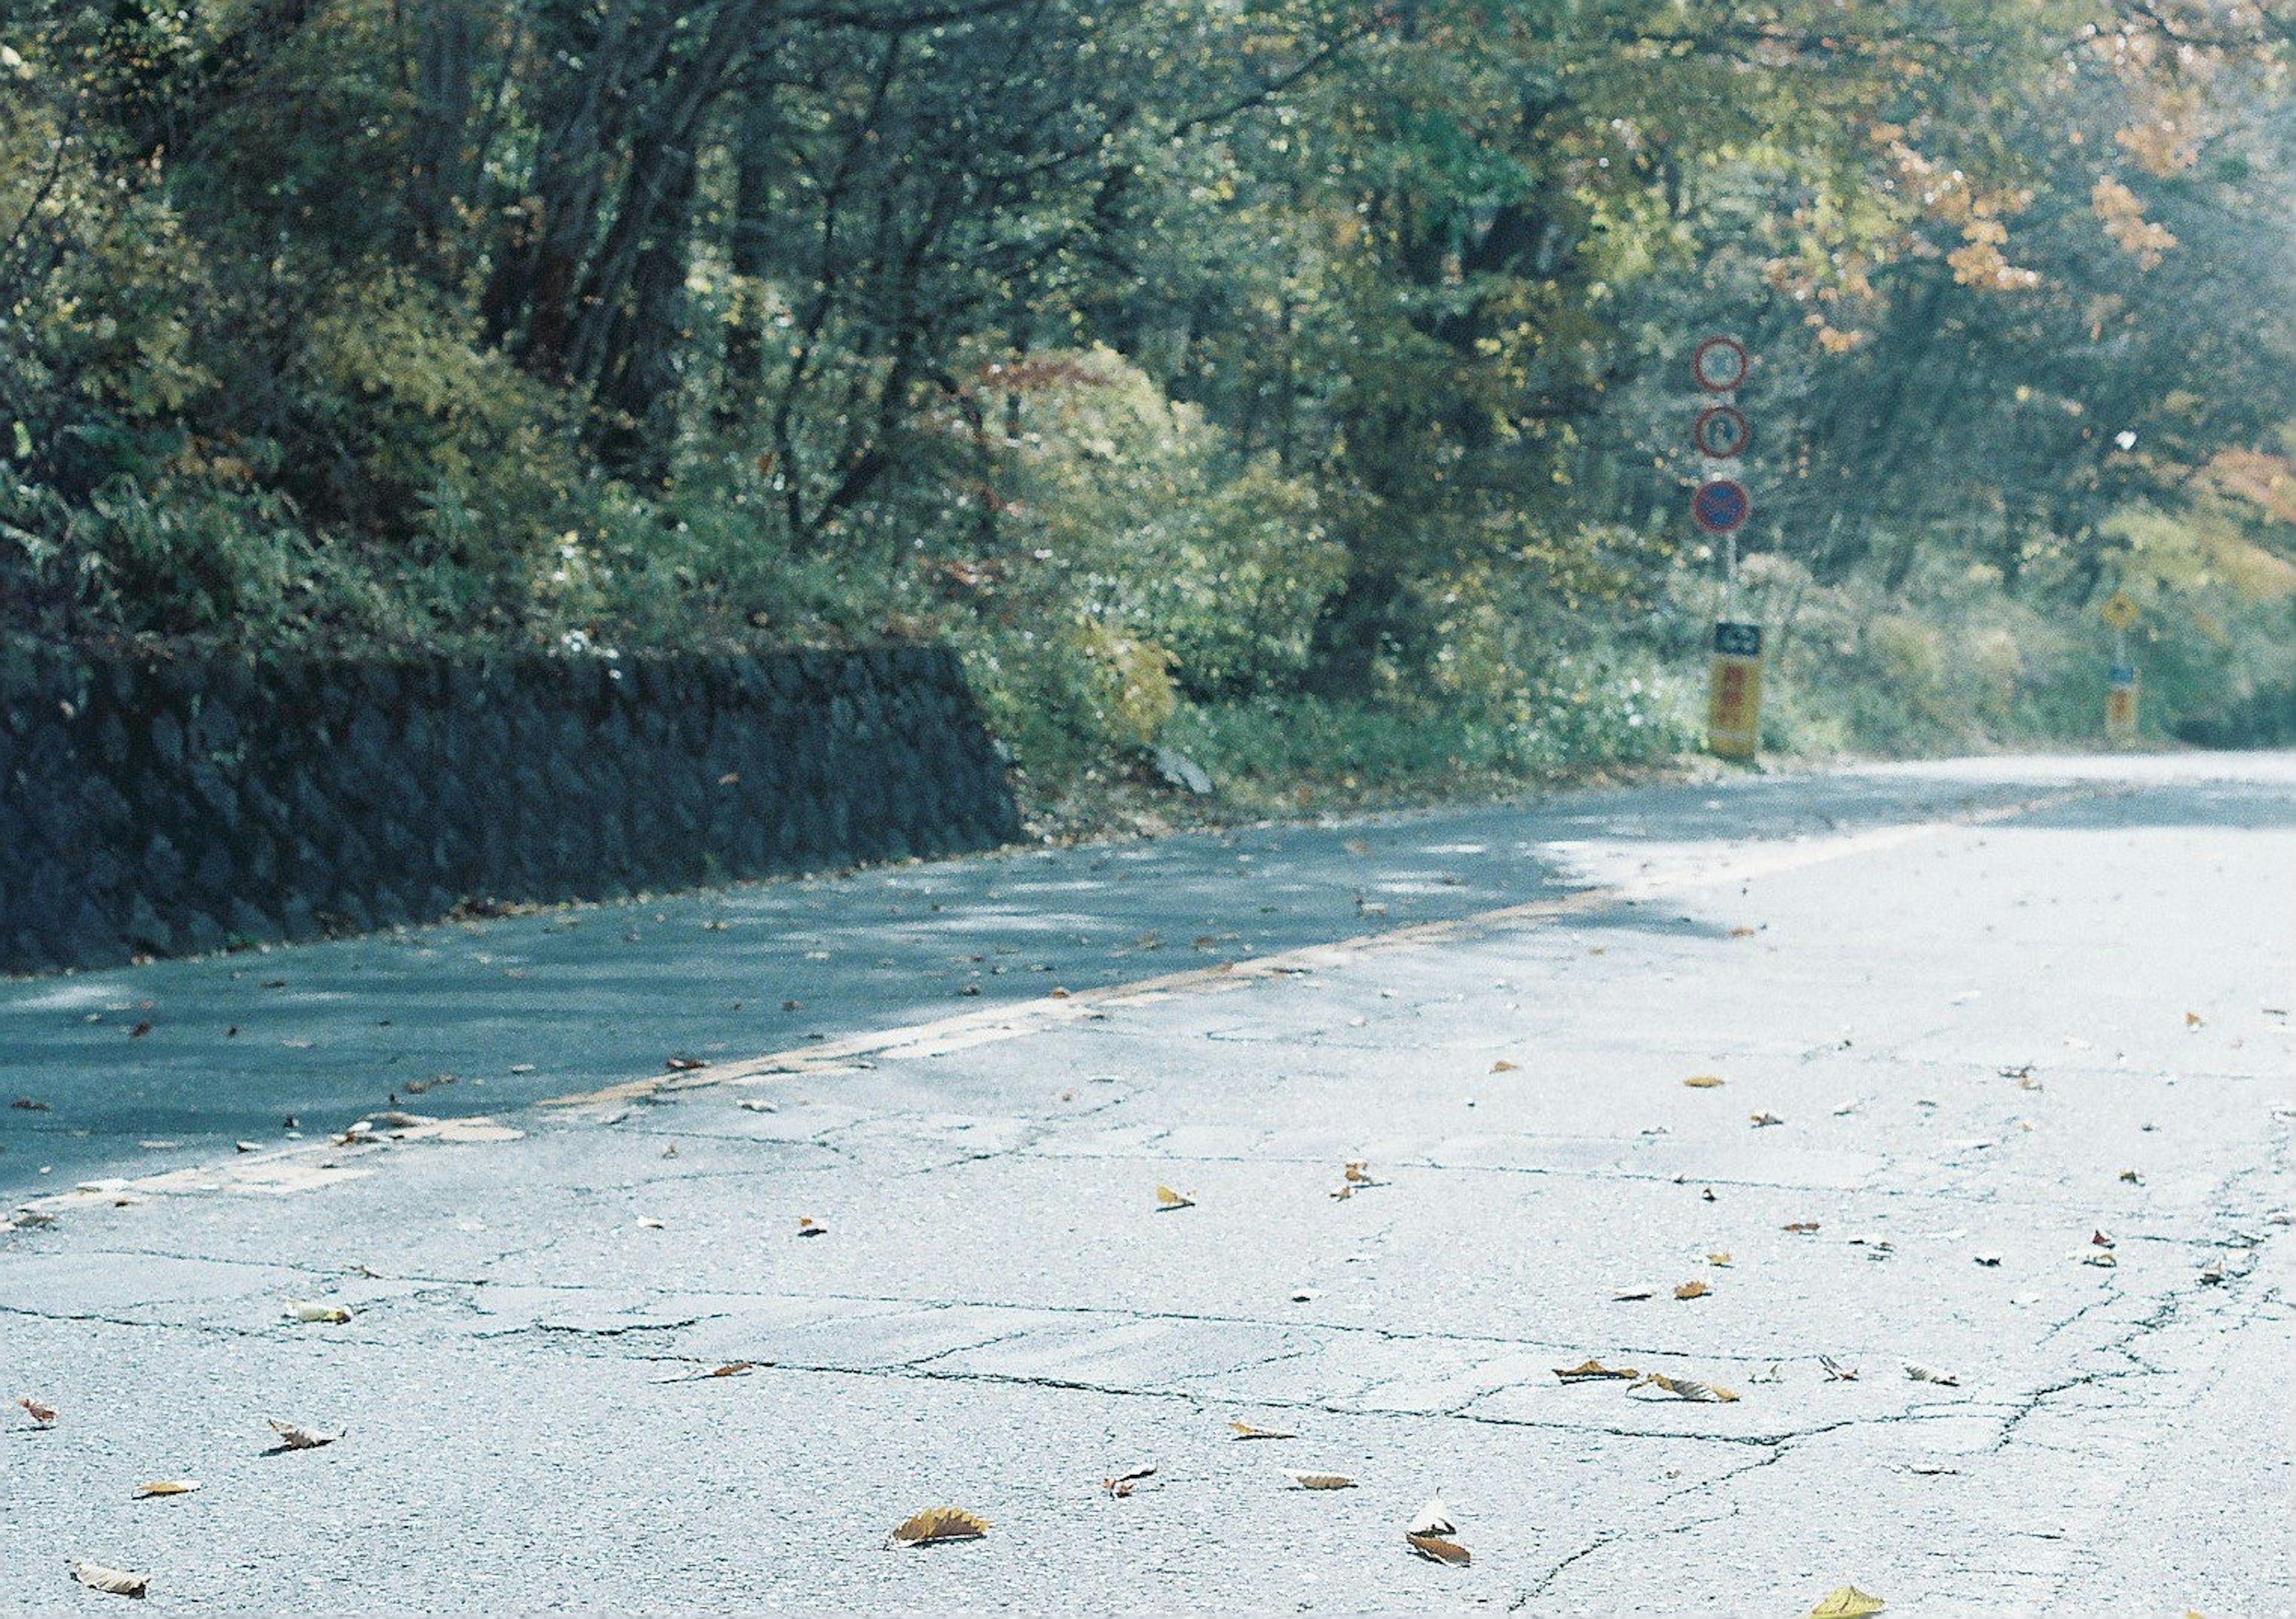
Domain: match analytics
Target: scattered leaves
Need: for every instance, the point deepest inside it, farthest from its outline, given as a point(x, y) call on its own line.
point(1591, 1371)
point(1321, 1481)
point(939, 1524)
point(1848, 1602)
point(166, 1486)
point(294, 1436)
point(1693, 1289)
point(312, 1311)
point(112, 1581)
point(1244, 1430)
point(1168, 1199)
point(1703, 1081)
point(1437, 1549)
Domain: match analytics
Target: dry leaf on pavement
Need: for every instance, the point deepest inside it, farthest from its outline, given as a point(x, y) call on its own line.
point(1244, 1430)
point(1848, 1602)
point(1684, 1388)
point(1357, 1172)
point(939, 1524)
point(1693, 1289)
point(310, 1310)
point(1504, 1066)
point(166, 1486)
point(1703, 1081)
point(1761, 1119)
point(1720, 1257)
point(1320, 1481)
point(1435, 1549)
point(1592, 1370)
point(1625, 1295)
point(1167, 1199)
point(1801, 1227)
point(1433, 1518)
point(40, 1413)
point(807, 1226)
point(1119, 1485)
point(294, 1436)
point(1835, 1372)
point(113, 1581)
point(1922, 1374)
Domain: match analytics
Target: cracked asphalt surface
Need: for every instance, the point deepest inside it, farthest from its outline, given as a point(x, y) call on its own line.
point(2000, 1010)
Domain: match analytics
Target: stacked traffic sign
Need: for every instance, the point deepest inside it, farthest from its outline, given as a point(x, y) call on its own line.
point(1720, 506)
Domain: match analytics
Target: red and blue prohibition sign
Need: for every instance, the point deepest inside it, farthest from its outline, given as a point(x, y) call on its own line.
point(1721, 506)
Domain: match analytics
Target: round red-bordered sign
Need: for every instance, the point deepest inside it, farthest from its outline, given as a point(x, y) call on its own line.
point(1721, 506)
point(1720, 364)
point(1721, 432)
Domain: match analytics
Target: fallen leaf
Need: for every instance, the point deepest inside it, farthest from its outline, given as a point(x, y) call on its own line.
point(651, 1223)
point(2192, 1020)
point(1684, 1388)
point(682, 1065)
point(1626, 1295)
point(1742, 933)
point(1693, 1289)
point(1703, 1081)
point(2101, 1257)
point(1244, 1430)
point(1437, 1549)
point(939, 1524)
point(1433, 1518)
point(1166, 1199)
point(2100, 1239)
point(1835, 1372)
point(112, 1581)
point(1801, 1227)
point(166, 1486)
point(248, 1146)
point(807, 1226)
point(2132, 1177)
point(310, 1310)
point(2213, 1271)
point(1120, 1486)
point(1321, 1481)
point(754, 1106)
point(1718, 1259)
point(1592, 1370)
point(1990, 1261)
point(1848, 1602)
point(1922, 1374)
point(1761, 1119)
point(1504, 1066)
point(1341, 1194)
point(1934, 1470)
point(39, 1413)
point(293, 1436)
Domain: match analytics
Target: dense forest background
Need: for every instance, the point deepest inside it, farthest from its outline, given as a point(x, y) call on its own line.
point(1302, 383)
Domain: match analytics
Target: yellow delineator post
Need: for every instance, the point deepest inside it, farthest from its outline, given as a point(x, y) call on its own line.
point(1733, 691)
point(2121, 697)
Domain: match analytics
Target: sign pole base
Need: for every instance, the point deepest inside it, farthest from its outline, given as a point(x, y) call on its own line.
point(1734, 692)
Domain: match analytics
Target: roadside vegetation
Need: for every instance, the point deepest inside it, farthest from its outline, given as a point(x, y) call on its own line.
point(1299, 385)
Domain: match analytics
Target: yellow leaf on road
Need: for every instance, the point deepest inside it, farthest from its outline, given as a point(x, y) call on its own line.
point(1703, 1081)
point(1244, 1430)
point(1321, 1481)
point(1504, 1066)
point(1693, 1289)
point(1685, 1388)
point(1166, 1199)
point(1848, 1602)
point(939, 1524)
point(166, 1486)
point(294, 1436)
point(1592, 1370)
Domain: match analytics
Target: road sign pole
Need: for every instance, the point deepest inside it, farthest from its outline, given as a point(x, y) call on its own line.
point(1733, 691)
point(2120, 696)
point(1720, 506)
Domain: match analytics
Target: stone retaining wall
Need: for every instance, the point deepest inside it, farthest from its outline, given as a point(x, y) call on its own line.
point(172, 808)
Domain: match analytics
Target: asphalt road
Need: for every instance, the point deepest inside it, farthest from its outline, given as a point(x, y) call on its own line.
point(2022, 1029)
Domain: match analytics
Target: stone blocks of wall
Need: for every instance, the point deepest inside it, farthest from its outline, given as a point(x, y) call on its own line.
point(175, 807)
